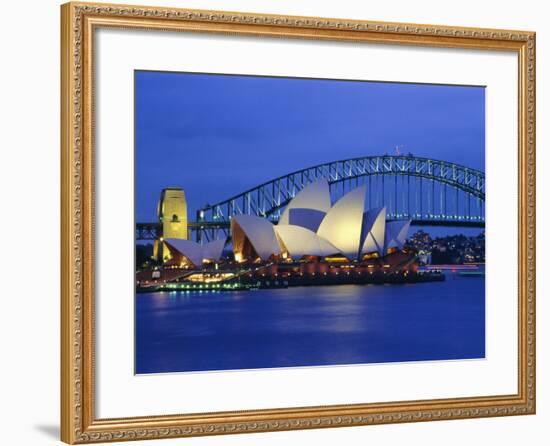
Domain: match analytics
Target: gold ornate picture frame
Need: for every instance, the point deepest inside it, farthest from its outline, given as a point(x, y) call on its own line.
point(78, 421)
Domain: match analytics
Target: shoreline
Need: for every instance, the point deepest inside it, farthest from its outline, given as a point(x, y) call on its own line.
point(372, 278)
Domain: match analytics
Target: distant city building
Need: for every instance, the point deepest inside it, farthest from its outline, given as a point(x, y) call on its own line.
point(451, 249)
point(310, 226)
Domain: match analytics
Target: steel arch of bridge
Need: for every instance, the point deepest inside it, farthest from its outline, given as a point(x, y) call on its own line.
point(269, 198)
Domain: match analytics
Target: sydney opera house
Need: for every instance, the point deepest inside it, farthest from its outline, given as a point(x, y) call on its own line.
point(310, 228)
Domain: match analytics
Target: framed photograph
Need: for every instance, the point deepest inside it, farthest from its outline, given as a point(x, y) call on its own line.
point(274, 223)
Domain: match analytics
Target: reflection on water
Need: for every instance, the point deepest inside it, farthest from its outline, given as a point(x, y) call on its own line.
point(307, 326)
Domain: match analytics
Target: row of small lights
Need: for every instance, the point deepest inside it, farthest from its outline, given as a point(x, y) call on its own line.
point(200, 288)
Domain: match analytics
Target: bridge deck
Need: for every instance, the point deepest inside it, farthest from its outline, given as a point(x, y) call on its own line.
point(151, 231)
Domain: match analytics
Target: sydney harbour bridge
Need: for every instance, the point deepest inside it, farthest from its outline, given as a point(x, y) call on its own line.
point(429, 192)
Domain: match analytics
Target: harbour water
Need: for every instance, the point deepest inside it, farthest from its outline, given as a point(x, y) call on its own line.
point(310, 326)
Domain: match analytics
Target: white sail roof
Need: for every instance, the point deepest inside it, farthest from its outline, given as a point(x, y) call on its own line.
point(309, 226)
point(342, 226)
point(314, 197)
point(396, 234)
point(299, 242)
point(195, 252)
point(187, 248)
point(213, 250)
point(259, 232)
point(374, 228)
point(306, 218)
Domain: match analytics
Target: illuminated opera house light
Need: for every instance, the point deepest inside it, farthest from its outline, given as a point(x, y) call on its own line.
point(310, 226)
point(298, 242)
point(253, 237)
point(343, 223)
point(190, 253)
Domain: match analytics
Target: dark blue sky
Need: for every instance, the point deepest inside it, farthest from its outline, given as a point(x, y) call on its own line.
point(216, 135)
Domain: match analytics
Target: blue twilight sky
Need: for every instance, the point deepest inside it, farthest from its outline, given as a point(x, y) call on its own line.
point(218, 135)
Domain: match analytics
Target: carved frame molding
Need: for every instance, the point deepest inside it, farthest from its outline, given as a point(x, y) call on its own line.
point(78, 424)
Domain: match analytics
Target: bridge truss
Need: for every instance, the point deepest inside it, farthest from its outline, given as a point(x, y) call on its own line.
point(428, 191)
